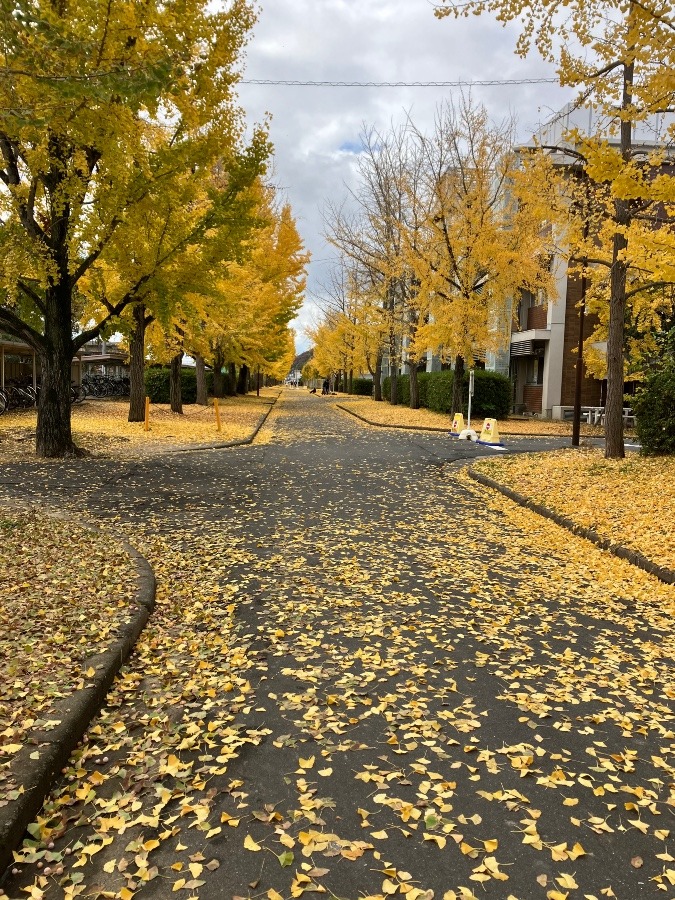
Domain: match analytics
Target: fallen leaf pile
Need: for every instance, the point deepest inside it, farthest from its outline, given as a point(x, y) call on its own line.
point(367, 677)
point(386, 414)
point(64, 591)
point(630, 501)
point(101, 427)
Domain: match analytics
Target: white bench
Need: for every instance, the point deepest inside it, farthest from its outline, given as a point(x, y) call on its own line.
point(595, 415)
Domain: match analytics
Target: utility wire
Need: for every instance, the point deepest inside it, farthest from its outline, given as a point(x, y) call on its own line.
point(381, 84)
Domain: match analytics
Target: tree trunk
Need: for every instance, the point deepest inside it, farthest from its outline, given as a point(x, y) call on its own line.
point(377, 378)
point(200, 372)
point(458, 386)
point(231, 383)
point(242, 383)
point(414, 385)
point(137, 365)
point(175, 388)
point(393, 370)
point(614, 446)
point(53, 435)
point(350, 388)
point(218, 379)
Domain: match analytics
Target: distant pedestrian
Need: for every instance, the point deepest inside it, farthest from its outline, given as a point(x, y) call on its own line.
point(324, 389)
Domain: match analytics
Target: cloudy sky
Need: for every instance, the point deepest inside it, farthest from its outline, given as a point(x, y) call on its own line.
point(315, 129)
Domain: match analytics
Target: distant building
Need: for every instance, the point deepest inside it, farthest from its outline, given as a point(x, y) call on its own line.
point(104, 358)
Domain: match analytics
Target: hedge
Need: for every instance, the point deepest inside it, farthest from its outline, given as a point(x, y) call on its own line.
point(491, 398)
point(363, 387)
point(157, 385)
point(654, 408)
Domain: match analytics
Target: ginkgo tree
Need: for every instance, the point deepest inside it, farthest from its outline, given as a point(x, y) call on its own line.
point(451, 227)
point(585, 226)
point(371, 236)
point(110, 114)
point(255, 295)
point(479, 236)
point(621, 55)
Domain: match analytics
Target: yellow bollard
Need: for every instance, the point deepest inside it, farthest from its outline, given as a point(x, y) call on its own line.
point(217, 411)
point(147, 414)
point(457, 424)
point(490, 434)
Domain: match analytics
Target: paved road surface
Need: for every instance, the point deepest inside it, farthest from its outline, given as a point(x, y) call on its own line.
point(367, 677)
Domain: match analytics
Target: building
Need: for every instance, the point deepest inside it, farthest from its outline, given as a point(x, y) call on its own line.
point(545, 331)
point(104, 358)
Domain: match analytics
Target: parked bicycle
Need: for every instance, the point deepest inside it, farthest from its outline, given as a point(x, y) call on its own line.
point(22, 395)
point(17, 395)
point(105, 386)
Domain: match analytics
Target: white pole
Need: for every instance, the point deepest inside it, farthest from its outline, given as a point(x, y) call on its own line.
point(468, 412)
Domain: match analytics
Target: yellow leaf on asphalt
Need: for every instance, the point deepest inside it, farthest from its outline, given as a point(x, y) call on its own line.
point(250, 844)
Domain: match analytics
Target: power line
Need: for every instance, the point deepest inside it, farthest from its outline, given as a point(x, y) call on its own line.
point(383, 84)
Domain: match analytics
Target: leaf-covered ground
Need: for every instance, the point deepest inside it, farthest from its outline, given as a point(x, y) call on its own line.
point(101, 427)
point(367, 676)
point(630, 501)
point(63, 592)
point(386, 414)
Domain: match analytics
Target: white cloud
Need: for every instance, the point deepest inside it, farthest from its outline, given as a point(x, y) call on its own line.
point(315, 130)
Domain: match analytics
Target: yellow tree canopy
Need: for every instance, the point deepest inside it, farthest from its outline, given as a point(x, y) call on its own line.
point(479, 233)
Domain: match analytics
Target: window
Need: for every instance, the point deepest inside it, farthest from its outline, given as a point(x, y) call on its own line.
point(535, 370)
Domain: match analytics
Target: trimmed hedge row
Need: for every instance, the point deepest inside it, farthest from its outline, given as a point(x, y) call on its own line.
point(363, 387)
point(157, 385)
point(654, 409)
point(491, 397)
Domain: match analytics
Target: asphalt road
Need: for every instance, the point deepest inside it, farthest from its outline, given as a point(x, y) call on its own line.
point(370, 677)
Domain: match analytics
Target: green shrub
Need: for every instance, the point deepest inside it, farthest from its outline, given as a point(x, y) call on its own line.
point(654, 408)
point(386, 388)
point(402, 389)
point(439, 391)
point(423, 386)
point(491, 397)
point(157, 385)
point(363, 387)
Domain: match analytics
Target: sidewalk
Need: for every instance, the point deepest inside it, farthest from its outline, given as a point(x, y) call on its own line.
point(100, 427)
point(74, 600)
point(621, 505)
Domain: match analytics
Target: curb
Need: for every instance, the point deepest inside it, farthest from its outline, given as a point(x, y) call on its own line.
point(509, 434)
point(36, 776)
point(385, 425)
point(222, 445)
point(632, 556)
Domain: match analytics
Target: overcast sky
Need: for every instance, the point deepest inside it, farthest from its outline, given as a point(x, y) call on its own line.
point(315, 129)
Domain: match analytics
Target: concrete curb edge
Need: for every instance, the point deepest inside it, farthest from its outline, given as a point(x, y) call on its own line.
point(632, 556)
point(224, 446)
point(54, 747)
point(386, 425)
